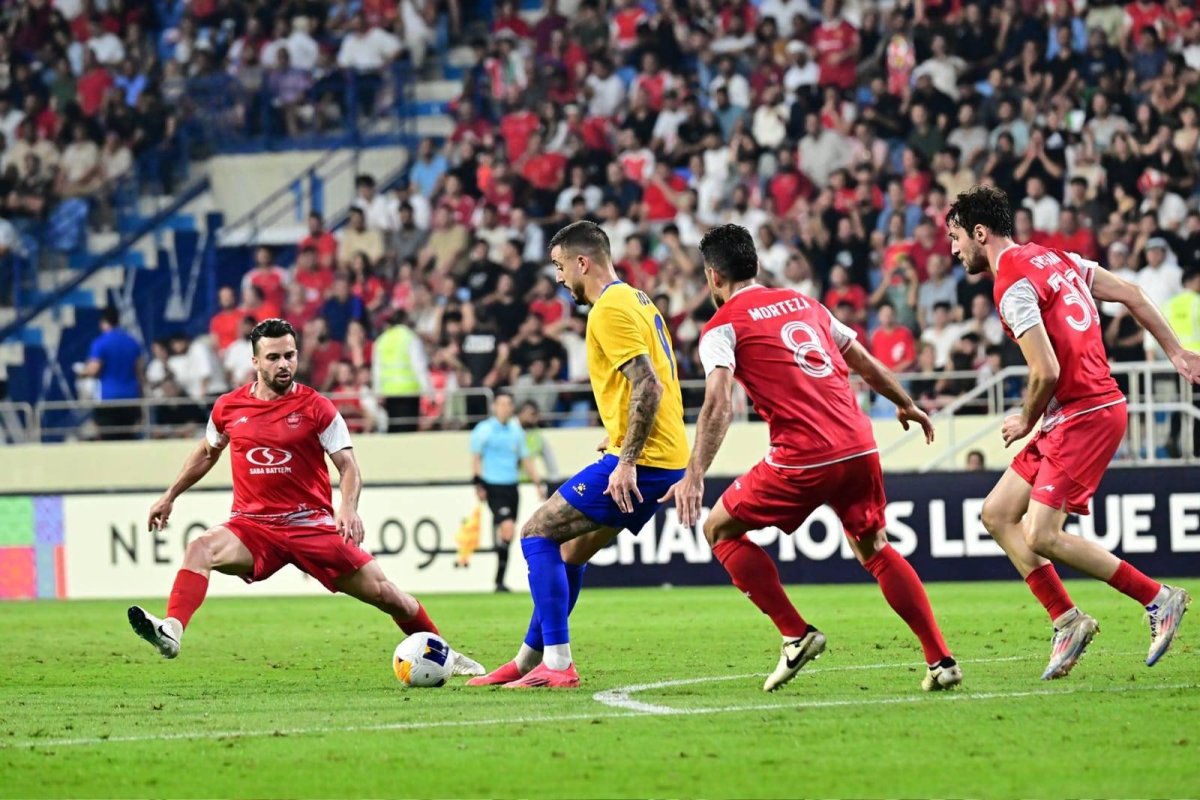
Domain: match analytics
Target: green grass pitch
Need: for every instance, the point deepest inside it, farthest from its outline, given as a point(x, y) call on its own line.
point(296, 698)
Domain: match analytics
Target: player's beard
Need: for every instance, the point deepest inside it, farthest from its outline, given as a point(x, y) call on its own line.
point(712, 292)
point(579, 293)
point(974, 261)
point(279, 386)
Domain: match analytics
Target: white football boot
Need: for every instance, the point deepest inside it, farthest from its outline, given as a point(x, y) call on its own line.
point(946, 674)
point(464, 665)
point(793, 655)
point(164, 634)
point(1164, 621)
point(1073, 632)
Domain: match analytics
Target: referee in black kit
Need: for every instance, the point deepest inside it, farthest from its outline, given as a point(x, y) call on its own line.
point(498, 451)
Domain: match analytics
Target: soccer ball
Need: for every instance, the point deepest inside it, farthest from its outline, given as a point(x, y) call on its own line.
point(422, 659)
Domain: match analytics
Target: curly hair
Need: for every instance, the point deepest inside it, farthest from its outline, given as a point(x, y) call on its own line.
point(982, 205)
point(729, 249)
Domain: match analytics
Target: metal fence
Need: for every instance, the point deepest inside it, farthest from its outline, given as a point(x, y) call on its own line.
point(1164, 413)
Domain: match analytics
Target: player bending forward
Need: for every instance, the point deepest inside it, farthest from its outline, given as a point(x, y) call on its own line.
point(278, 432)
point(1047, 303)
point(635, 381)
point(793, 358)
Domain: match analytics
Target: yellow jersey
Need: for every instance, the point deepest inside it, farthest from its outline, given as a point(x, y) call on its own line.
point(624, 324)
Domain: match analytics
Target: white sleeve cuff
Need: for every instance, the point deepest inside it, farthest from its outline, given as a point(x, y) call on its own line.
point(717, 349)
point(212, 434)
point(1086, 268)
point(337, 436)
point(843, 335)
point(1019, 307)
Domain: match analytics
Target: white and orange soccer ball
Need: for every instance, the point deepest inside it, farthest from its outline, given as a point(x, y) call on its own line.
point(422, 660)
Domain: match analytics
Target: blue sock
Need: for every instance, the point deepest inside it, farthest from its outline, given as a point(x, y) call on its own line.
point(533, 636)
point(548, 585)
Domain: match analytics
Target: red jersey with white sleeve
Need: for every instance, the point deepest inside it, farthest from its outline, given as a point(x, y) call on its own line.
point(785, 349)
point(1039, 285)
point(277, 448)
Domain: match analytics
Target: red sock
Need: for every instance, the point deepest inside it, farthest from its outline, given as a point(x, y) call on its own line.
point(1131, 581)
point(418, 623)
point(1048, 588)
point(186, 595)
point(753, 571)
point(906, 595)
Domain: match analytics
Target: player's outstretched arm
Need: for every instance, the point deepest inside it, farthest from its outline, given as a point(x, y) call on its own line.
point(645, 393)
point(715, 417)
point(1106, 286)
point(1043, 377)
point(349, 523)
point(198, 463)
point(883, 381)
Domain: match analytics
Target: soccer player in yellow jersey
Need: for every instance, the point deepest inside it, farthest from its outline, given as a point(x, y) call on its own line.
point(636, 383)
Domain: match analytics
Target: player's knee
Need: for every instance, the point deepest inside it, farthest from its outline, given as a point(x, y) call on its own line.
point(1040, 540)
point(992, 516)
point(715, 532)
point(201, 552)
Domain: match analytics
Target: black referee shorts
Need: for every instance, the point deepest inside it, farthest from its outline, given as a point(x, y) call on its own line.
point(502, 500)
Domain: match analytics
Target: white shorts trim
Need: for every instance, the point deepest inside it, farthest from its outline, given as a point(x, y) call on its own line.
point(1056, 421)
point(823, 463)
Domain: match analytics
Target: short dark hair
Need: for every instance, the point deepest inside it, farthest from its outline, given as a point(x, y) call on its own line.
point(942, 304)
point(112, 316)
point(502, 393)
point(272, 328)
point(729, 250)
point(982, 205)
point(364, 180)
point(584, 237)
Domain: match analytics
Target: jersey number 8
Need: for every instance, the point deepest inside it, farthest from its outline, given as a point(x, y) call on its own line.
point(810, 355)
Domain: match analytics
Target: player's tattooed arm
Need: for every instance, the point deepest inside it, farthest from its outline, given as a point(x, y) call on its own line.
point(644, 396)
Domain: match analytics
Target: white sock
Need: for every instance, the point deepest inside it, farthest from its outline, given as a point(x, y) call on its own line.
point(1161, 597)
point(527, 658)
point(557, 656)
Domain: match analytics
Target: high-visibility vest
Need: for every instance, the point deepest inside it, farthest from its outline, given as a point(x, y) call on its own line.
point(393, 354)
point(1183, 312)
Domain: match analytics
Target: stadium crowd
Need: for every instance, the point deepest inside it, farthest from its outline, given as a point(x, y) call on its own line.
point(836, 132)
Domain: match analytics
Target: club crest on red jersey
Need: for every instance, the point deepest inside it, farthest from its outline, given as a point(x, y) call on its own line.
point(294, 419)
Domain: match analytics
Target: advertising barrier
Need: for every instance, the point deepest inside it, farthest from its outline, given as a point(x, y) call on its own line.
point(98, 545)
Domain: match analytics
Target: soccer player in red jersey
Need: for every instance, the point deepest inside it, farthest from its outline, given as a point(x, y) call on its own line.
point(278, 433)
point(794, 360)
point(1047, 302)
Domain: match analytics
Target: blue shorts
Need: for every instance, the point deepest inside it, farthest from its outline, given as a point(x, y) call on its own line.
point(585, 492)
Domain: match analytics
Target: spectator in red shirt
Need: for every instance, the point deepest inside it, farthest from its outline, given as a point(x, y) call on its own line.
point(515, 129)
point(893, 344)
point(653, 80)
point(841, 290)
point(926, 242)
point(788, 184)
point(549, 306)
point(93, 84)
point(343, 392)
point(545, 173)
point(224, 324)
point(460, 205)
point(625, 23)
point(470, 126)
point(310, 275)
point(299, 308)
point(1071, 237)
point(637, 268)
point(836, 44)
point(268, 277)
point(319, 351)
point(321, 241)
point(508, 18)
point(662, 193)
point(253, 304)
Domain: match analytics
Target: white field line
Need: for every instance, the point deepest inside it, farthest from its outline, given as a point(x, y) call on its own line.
point(611, 694)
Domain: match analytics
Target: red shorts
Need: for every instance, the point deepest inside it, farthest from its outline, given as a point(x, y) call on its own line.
point(318, 550)
point(769, 496)
point(1064, 465)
